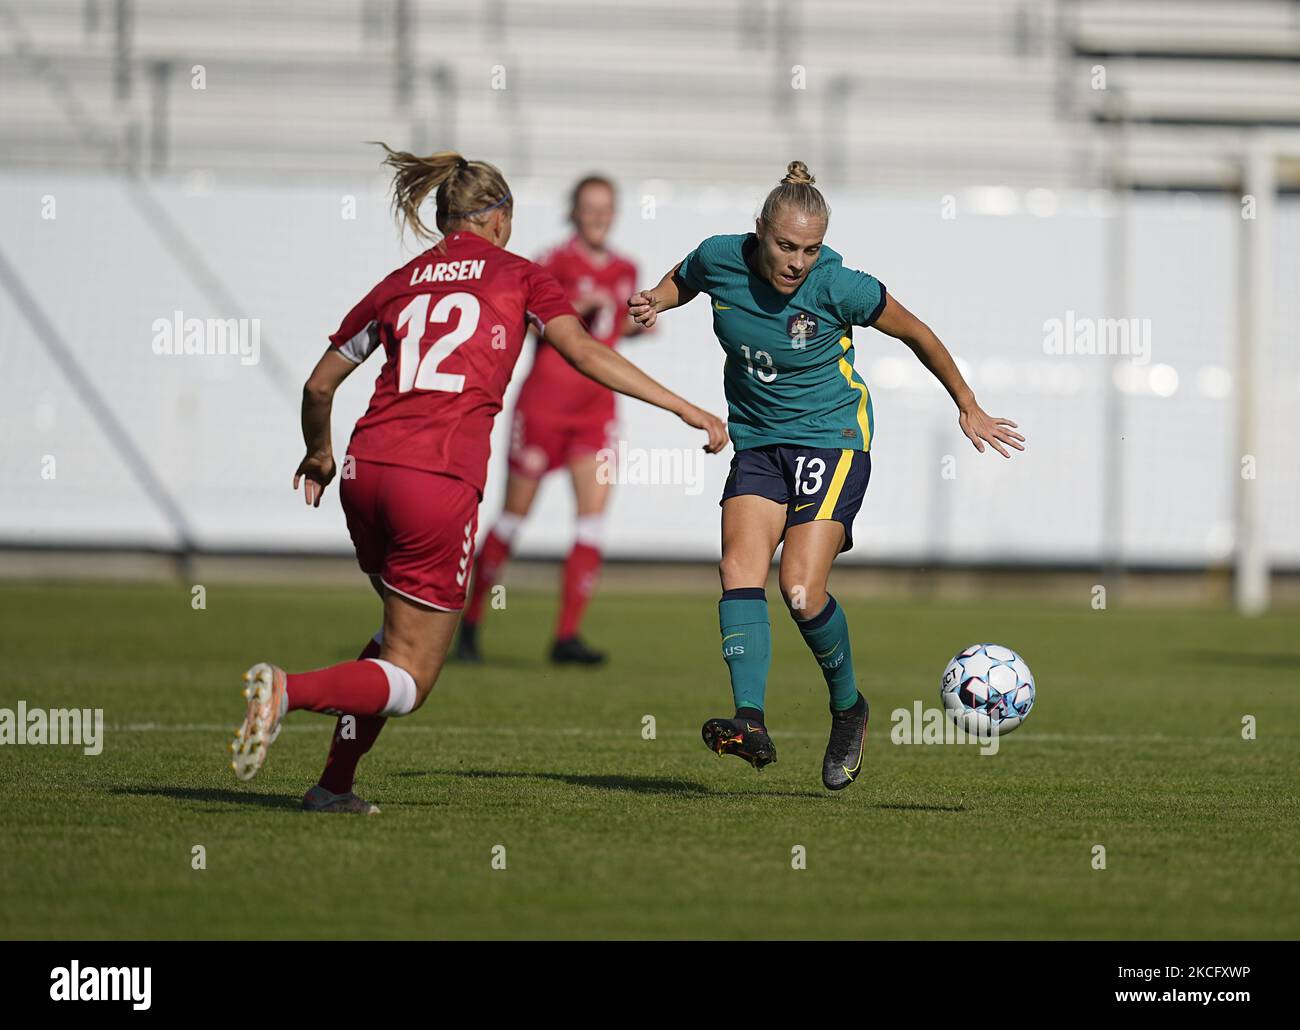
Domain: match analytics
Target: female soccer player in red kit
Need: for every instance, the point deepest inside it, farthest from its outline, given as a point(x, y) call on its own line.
point(563, 419)
point(451, 324)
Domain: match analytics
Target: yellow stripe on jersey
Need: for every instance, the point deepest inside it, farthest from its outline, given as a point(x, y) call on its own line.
point(832, 498)
point(846, 370)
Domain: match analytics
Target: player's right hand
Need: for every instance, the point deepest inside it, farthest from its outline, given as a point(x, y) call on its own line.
point(318, 470)
point(698, 418)
point(641, 308)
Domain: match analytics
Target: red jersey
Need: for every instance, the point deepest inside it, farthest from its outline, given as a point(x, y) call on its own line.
point(452, 323)
point(553, 390)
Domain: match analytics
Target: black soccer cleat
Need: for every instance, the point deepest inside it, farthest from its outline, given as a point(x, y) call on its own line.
point(743, 738)
point(572, 650)
point(467, 643)
point(843, 760)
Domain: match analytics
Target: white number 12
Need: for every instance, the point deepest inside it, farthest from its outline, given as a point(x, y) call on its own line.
point(416, 374)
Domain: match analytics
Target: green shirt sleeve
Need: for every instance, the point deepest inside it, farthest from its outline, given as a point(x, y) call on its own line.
point(698, 269)
point(855, 298)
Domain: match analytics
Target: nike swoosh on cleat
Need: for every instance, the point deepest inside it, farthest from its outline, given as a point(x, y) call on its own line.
point(862, 749)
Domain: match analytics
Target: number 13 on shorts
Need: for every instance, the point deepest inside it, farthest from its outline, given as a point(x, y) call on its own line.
point(825, 484)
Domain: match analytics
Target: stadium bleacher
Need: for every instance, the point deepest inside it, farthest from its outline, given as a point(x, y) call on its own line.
point(91, 82)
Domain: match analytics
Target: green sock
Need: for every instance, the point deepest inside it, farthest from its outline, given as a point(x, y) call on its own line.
point(827, 637)
point(746, 644)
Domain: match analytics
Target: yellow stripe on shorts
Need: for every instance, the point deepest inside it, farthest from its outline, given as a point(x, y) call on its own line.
point(832, 498)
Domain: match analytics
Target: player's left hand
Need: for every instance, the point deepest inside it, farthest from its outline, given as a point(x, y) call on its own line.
point(318, 470)
point(981, 428)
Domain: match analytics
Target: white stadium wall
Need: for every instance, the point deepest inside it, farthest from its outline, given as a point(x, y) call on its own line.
point(221, 439)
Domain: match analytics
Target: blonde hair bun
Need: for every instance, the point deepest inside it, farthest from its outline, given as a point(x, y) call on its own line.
point(795, 191)
point(797, 174)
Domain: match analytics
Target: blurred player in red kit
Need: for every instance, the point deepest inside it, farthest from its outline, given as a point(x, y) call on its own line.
point(450, 325)
point(563, 419)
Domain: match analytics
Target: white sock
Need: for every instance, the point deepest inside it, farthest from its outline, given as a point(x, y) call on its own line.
point(591, 530)
point(507, 525)
point(401, 688)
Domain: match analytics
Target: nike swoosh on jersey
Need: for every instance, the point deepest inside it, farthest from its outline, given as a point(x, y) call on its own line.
point(801, 507)
point(720, 307)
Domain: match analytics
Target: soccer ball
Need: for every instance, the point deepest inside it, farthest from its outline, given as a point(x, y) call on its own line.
point(987, 689)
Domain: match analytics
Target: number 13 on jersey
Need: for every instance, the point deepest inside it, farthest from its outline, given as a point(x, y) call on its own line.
point(765, 371)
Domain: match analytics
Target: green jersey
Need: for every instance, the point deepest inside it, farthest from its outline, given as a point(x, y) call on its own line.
point(789, 376)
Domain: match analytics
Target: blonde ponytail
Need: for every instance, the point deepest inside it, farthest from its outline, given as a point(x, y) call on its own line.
point(463, 190)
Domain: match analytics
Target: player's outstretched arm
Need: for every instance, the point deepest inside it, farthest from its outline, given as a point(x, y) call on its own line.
point(609, 368)
point(644, 307)
point(317, 403)
point(979, 427)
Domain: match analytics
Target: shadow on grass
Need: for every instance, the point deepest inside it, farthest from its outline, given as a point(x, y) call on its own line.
point(538, 665)
point(211, 794)
point(1267, 660)
point(629, 784)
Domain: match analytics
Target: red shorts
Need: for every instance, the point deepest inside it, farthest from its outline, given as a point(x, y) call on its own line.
point(413, 529)
point(539, 445)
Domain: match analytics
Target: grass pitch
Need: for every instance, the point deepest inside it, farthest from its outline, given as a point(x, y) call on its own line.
point(1135, 744)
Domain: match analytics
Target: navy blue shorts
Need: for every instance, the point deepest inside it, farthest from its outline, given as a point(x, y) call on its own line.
point(814, 483)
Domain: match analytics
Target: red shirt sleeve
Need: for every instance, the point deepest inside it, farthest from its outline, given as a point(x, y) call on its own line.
point(358, 335)
point(546, 299)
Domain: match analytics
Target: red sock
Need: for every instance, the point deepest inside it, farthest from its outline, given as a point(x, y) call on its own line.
point(581, 570)
point(356, 688)
point(346, 751)
point(487, 566)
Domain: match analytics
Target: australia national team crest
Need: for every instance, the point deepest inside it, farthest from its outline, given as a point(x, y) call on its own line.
point(801, 328)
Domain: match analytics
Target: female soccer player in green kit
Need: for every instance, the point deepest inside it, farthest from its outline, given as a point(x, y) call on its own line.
point(784, 308)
